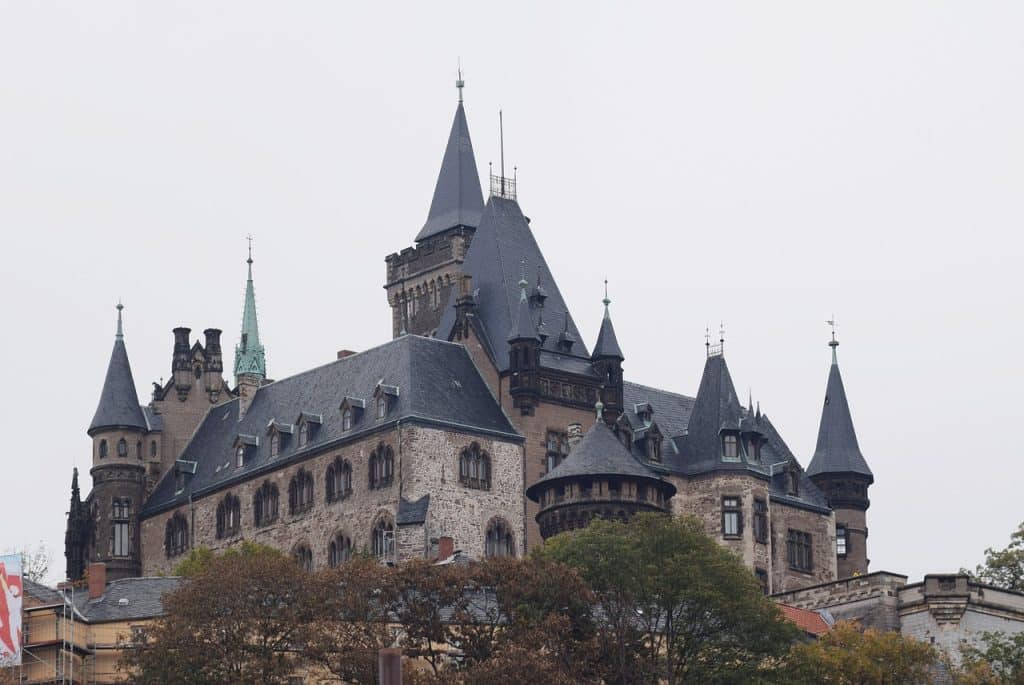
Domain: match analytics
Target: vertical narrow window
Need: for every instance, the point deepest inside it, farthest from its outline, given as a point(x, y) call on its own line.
point(382, 407)
point(122, 448)
point(557, 449)
point(275, 444)
point(303, 433)
point(730, 447)
point(842, 542)
point(760, 521)
point(346, 420)
point(732, 517)
point(798, 550)
point(499, 541)
point(240, 455)
point(384, 540)
point(103, 449)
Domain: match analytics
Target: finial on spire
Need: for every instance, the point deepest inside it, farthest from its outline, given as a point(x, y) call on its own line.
point(120, 328)
point(707, 339)
point(249, 238)
point(459, 82)
point(599, 407)
point(833, 343)
point(606, 300)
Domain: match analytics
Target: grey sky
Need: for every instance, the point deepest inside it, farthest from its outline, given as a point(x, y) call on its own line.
point(761, 164)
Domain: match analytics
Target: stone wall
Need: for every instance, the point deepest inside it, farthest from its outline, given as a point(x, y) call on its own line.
point(871, 599)
point(426, 461)
point(702, 497)
point(426, 275)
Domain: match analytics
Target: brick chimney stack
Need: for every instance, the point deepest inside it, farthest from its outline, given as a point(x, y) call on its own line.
point(97, 580)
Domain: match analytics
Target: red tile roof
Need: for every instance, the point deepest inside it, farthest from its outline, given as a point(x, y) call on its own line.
point(808, 621)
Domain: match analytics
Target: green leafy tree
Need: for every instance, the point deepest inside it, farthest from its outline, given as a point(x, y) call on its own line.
point(238, 618)
point(996, 659)
point(1005, 567)
point(674, 606)
point(848, 656)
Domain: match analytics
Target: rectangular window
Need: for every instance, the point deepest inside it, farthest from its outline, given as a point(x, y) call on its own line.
point(842, 543)
point(557, 449)
point(730, 448)
point(798, 550)
point(121, 539)
point(760, 521)
point(732, 517)
point(762, 579)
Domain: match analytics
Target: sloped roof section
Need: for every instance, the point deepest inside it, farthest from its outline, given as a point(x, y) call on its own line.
point(119, 401)
point(128, 599)
point(607, 344)
point(599, 453)
point(458, 200)
point(716, 408)
point(503, 248)
point(437, 383)
point(837, 450)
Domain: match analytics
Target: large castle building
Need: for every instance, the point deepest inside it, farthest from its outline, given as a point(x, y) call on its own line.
point(485, 425)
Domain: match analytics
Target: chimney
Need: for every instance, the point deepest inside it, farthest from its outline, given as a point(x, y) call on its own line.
point(345, 353)
point(214, 356)
point(465, 304)
point(97, 579)
point(181, 362)
point(445, 548)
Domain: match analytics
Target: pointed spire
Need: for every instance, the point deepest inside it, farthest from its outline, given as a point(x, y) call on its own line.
point(715, 409)
point(607, 344)
point(523, 327)
point(250, 358)
point(119, 401)
point(837, 450)
point(458, 199)
point(75, 492)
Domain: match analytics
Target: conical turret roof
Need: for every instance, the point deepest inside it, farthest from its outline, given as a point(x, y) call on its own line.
point(599, 453)
point(119, 401)
point(523, 327)
point(716, 408)
point(458, 200)
point(250, 356)
point(607, 344)
point(837, 450)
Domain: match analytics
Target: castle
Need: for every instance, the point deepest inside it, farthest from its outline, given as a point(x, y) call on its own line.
point(484, 425)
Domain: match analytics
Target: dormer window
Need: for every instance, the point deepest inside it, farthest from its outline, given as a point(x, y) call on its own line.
point(754, 448)
point(793, 482)
point(730, 447)
point(182, 471)
point(383, 396)
point(382, 407)
point(308, 425)
point(303, 433)
point(280, 434)
point(240, 455)
point(654, 451)
point(351, 410)
point(275, 444)
point(245, 447)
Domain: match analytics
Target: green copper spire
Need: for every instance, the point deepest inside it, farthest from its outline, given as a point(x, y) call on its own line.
point(249, 354)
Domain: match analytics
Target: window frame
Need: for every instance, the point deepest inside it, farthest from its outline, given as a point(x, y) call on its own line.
point(730, 447)
point(760, 521)
point(842, 541)
point(799, 551)
point(732, 511)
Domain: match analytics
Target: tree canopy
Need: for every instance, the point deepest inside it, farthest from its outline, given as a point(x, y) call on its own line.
point(1005, 567)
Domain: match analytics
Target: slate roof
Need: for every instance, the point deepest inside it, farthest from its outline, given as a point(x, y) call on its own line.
point(503, 247)
point(41, 593)
point(837, 450)
point(607, 344)
point(438, 383)
point(599, 453)
point(457, 200)
point(412, 513)
point(119, 401)
point(717, 408)
point(127, 599)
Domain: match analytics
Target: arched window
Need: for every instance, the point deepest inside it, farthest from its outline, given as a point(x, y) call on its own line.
point(152, 448)
point(300, 492)
point(176, 535)
point(339, 551)
point(303, 433)
point(346, 420)
point(138, 450)
point(384, 539)
point(103, 449)
point(339, 480)
point(264, 504)
point(382, 467)
point(303, 556)
point(275, 444)
point(475, 468)
point(229, 516)
point(382, 407)
point(122, 448)
point(240, 456)
point(499, 541)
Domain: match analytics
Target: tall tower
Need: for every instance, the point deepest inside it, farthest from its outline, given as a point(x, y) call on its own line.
point(118, 469)
point(420, 279)
point(607, 359)
point(250, 358)
point(524, 356)
point(840, 471)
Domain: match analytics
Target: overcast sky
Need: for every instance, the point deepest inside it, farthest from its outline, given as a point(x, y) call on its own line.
point(765, 165)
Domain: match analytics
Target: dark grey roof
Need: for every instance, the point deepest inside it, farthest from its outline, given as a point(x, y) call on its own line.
point(599, 453)
point(457, 197)
point(503, 247)
point(717, 408)
point(438, 384)
point(154, 422)
point(607, 344)
point(127, 599)
point(412, 513)
point(119, 402)
point(41, 593)
point(522, 325)
point(837, 450)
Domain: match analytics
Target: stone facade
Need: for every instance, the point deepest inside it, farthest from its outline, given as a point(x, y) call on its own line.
point(420, 281)
point(426, 462)
point(944, 609)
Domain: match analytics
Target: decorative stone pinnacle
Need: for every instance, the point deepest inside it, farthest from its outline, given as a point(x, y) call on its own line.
point(120, 328)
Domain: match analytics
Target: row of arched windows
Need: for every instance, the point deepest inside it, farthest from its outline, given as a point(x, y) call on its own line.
point(339, 480)
point(300, 492)
point(122, 449)
point(176, 538)
point(229, 517)
point(382, 467)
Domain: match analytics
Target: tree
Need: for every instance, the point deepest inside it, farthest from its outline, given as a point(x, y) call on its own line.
point(424, 598)
point(1004, 568)
point(238, 618)
point(997, 659)
point(848, 656)
point(35, 563)
point(673, 605)
point(350, 624)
